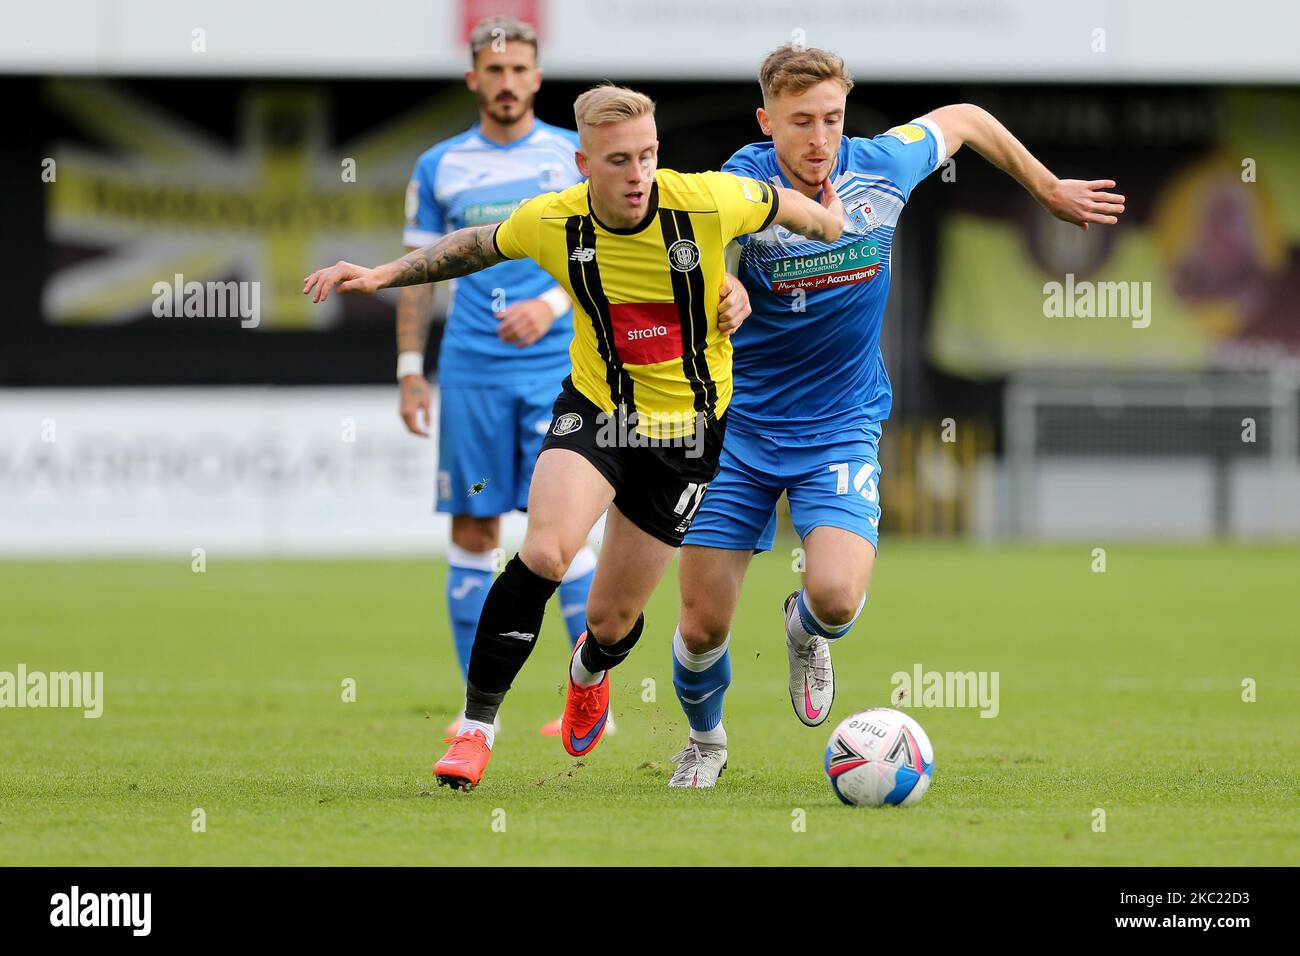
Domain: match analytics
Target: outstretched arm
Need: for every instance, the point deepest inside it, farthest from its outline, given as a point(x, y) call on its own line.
point(1074, 200)
point(457, 254)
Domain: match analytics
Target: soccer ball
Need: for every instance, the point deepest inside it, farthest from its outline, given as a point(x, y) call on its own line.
point(879, 756)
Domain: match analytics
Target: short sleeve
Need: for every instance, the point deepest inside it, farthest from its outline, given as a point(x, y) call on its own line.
point(517, 236)
point(424, 219)
point(744, 204)
point(742, 163)
point(912, 152)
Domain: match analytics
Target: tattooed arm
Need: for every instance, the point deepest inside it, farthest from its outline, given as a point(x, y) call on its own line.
point(414, 316)
point(462, 252)
point(459, 254)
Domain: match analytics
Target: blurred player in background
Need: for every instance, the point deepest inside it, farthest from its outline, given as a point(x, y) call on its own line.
point(506, 346)
point(641, 251)
point(811, 386)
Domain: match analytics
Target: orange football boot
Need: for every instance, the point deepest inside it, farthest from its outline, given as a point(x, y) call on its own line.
point(552, 727)
point(462, 766)
point(586, 712)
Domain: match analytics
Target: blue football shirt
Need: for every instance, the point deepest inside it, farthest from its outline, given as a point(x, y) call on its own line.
point(808, 359)
point(469, 180)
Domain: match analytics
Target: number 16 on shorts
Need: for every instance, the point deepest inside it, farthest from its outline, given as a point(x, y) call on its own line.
point(864, 480)
point(857, 481)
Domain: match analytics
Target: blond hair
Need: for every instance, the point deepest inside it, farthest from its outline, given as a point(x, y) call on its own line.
point(792, 69)
point(605, 104)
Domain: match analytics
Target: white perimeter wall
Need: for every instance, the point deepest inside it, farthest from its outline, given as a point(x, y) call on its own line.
point(319, 472)
point(898, 40)
point(254, 471)
point(1085, 499)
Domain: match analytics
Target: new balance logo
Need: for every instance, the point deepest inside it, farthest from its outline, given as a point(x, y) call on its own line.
point(582, 254)
point(519, 635)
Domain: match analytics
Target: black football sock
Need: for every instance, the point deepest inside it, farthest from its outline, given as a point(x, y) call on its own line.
point(507, 633)
point(598, 657)
point(480, 705)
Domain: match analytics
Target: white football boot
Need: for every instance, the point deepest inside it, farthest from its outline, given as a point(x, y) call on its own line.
point(698, 765)
point(812, 678)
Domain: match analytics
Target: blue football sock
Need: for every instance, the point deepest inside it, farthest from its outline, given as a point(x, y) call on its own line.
point(701, 682)
point(573, 592)
point(468, 580)
point(811, 626)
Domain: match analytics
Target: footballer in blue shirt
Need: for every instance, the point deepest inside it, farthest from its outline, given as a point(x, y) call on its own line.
point(811, 389)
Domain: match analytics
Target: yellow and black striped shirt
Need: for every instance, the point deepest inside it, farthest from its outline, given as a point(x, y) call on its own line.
point(646, 298)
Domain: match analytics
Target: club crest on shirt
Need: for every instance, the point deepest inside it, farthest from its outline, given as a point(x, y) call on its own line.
point(861, 217)
point(567, 424)
point(551, 178)
point(683, 255)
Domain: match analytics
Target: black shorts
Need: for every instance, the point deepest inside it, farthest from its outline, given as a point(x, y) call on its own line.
point(658, 487)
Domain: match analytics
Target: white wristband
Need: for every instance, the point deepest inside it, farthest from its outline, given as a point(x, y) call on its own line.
point(558, 300)
point(410, 363)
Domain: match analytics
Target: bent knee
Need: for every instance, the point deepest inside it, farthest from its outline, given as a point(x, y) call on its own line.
point(702, 632)
point(705, 621)
point(610, 623)
point(546, 557)
point(837, 605)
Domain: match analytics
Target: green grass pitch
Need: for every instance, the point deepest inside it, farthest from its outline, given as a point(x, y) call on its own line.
point(223, 691)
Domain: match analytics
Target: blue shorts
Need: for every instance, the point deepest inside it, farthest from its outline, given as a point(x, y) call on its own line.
point(829, 479)
point(488, 439)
